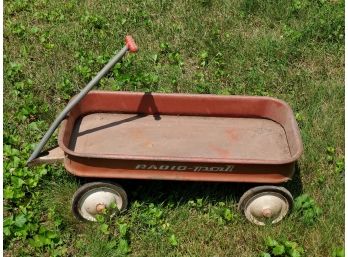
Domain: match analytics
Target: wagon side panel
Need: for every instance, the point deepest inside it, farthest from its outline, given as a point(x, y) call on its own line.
point(152, 170)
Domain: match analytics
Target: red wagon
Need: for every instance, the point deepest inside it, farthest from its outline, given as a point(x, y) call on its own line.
point(123, 135)
point(120, 135)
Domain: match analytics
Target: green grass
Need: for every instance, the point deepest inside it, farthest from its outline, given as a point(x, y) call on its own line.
point(292, 50)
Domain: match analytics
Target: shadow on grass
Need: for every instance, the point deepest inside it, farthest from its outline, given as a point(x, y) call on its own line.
point(295, 185)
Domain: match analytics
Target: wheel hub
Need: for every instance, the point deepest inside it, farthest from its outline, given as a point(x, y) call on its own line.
point(269, 206)
point(267, 212)
point(96, 201)
point(100, 207)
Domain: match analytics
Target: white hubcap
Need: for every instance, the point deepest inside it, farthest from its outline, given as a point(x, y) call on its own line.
point(96, 200)
point(270, 206)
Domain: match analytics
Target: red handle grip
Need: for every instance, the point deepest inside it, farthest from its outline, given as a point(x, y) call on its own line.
point(130, 43)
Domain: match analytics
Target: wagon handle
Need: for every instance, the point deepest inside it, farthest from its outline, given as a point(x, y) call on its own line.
point(130, 43)
point(131, 47)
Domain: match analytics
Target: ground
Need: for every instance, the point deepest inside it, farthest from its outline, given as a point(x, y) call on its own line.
point(292, 50)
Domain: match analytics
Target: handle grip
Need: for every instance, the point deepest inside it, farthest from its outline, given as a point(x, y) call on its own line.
point(130, 43)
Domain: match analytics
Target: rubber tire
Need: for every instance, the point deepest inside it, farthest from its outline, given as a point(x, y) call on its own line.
point(261, 189)
point(92, 185)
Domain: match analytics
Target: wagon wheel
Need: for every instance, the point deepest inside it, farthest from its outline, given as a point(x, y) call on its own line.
point(92, 198)
point(265, 204)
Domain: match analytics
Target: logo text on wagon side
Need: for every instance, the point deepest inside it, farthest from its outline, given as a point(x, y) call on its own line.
point(226, 168)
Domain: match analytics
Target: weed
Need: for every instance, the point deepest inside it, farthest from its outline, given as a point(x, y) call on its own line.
point(320, 180)
point(17, 29)
point(338, 252)
point(17, 6)
point(198, 203)
point(50, 16)
point(332, 159)
point(339, 168)
point(152, 216)
point(203, 56)
point(45, 40)
point(201, 85)
point(306, 209)
point(43, 238)
point(218, 212)
point(327, 23)
point(172, 240)
point(165, 48)
point(110, 228)
point(67, 88)
point(95, 21)
point(20, 181)
point(13, 72)
point(173, 55)
point(330, 154)
point(300, 119)
point(282, 248)
point(221, 214)
point(175, 58)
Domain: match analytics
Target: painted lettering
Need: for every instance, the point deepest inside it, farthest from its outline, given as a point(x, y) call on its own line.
point(227, 168)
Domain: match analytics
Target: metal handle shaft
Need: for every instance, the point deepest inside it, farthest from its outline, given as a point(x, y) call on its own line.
point(77, 99)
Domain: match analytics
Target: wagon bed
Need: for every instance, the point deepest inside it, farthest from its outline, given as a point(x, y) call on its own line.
point(171, 136)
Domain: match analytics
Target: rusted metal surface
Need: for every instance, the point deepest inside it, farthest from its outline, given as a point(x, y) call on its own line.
point(54, 155)
point(181, 137)
point(177, 137)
